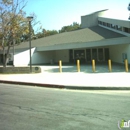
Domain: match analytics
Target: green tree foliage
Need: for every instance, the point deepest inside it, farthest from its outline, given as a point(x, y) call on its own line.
point(13, 24)
point(46, 33)
point(50, 32)
point(69, 28)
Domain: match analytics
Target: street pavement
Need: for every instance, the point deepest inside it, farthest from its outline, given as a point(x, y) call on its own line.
point(35, 108)
point(71, 79)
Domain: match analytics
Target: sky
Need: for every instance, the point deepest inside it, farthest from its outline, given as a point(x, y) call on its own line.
point(54, 14)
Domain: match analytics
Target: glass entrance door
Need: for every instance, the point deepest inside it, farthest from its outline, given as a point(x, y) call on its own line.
point(79, 55)
point(71, 56)
point(94, 54)
point(88, 55)
point(106, 54)
point(100, 54)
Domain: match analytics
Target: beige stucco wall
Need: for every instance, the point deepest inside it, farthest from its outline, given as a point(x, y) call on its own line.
point(45, 57)
point(62, 55)
point(42, 57)
point(117, 51)
point(22, 57)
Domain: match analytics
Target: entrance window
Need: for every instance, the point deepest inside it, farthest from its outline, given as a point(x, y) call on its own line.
point(100, 54)
point(127, 30)
point(124, 56)
point(71, 56)
point(94, 54)
point(88, 55)
point(79, 55)
point(106, 54)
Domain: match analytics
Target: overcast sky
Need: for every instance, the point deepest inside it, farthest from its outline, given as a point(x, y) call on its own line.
point(54, 14)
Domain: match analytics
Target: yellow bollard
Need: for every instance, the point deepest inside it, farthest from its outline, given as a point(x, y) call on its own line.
point(60, 65)
point(93, 65)
point(78, 65)
point(109, 65)
point(126, 65)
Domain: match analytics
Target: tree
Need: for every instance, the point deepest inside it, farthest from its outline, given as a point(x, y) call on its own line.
point(34, 34)
point(13, 25)
point(46, 33)
point(71, 27)
point(50, 32)
point(68, 28)
point(39, 35)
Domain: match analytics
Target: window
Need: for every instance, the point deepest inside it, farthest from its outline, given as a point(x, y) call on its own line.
point(119, 28)
point(126, 30)
point(104, 23)
point(100, 22)
point(113, 26)
point(124, 56)
point(108, 25)
point(100, 54)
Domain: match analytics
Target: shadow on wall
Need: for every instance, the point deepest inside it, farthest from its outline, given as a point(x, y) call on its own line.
point(105, 32)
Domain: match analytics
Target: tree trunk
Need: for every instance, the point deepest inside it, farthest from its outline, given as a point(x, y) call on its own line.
point(7, 56)
point(3, 51)
point(13, 50)
point(3, 56)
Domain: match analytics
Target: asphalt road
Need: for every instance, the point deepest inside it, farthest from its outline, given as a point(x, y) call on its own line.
point(35, 108)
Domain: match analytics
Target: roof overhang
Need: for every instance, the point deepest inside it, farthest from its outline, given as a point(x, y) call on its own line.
point(105, 42)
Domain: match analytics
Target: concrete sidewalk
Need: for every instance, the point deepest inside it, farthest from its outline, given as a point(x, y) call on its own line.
point(71, 80)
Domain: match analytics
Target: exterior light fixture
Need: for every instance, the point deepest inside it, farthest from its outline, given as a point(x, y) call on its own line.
point(129, 10)
point(30, 18)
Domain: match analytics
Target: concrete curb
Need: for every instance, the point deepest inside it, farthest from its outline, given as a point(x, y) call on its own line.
point(32, 84)
point(65, 86)
point(96, 88)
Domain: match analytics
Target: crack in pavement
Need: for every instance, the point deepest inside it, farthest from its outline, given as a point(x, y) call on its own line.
point(57, 113)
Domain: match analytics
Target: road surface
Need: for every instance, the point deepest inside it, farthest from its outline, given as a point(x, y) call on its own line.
point(36, 108)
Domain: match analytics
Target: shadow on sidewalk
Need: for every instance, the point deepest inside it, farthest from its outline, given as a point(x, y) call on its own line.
point(84, 68)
